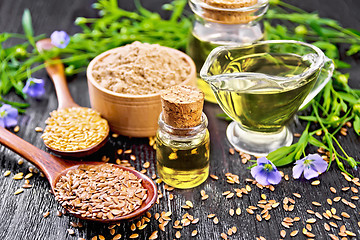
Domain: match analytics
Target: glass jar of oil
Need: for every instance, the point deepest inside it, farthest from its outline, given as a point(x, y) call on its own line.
point(182, 154)
point(223, 23)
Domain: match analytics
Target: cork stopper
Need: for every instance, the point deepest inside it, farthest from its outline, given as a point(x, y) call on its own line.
point(182, 106)
point(225, 14)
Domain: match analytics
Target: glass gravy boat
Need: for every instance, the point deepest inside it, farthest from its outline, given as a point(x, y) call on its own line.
point(262, 86)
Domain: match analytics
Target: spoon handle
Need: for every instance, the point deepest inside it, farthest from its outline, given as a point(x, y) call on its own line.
point(50, 165)
point(57, 74)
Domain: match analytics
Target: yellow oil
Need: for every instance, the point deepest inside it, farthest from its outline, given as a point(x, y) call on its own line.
point(199, 50)
point(258, 102)
point(183, 164)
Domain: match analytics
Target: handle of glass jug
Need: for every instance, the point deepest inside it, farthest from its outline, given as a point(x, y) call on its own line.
point(325, 75)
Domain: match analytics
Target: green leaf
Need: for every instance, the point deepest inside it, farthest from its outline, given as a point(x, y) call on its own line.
point(27, 26)
point(354, 48)
point(330, 49)
point(348, 97)
point(356, 125)
point(354, 31)
point(317, 143)
point(282, 156)
point(308, 118)
point(341, 64)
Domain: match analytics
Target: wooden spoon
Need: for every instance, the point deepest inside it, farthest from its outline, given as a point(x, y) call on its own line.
point(57, 74)
point(54, 167)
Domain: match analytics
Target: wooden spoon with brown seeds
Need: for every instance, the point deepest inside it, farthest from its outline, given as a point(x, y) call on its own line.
point(57, 74)
point(54, 167)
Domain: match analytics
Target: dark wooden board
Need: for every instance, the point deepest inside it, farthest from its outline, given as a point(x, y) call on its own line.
point(21, 215)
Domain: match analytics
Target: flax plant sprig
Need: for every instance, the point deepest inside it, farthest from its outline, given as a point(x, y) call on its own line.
point(337, 104)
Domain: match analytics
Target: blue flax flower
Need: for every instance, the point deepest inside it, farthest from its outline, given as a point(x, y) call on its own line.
point(34, 87)
point(8, 116)
point(265, 172)
point(60, 39)
point(312, 165)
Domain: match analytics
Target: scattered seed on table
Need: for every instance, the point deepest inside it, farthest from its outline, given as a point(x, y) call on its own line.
point(214, 177)
point(38, 129)
point(349, 233)
point(336, 199)
point(135, 235)
point(18, 176)
point(211, 215)
point(332, 189)
point(238, 211)
point(355, 197)
point(189, 203)
point(128, 151)
point(283, 233)
point(354, 190)
point(275, 205)
point(311, 220)
point(329, 213)
point(329, 201)
point(154, 235)
point(118, 236)
point(333, 210)
point(146, 165)
point(196, 220)
point(347, 178)
point(318, 215)
point(223, 236)
point(351, 205)
point(29, 175)
point(16, 129)
point(294, 233)
point(20, 161)
point(308, 227)
point(316, 204)
point(18, 191)
point(231, 212)
point(7, 173)
point(315, 183)
point(327, 227)
point(231, 151)
point(194, 233)
point(297, 195)
point(344, 189)
point(285, 224)
point(216, 220)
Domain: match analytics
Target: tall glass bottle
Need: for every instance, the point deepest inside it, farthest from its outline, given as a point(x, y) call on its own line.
point(223, 23)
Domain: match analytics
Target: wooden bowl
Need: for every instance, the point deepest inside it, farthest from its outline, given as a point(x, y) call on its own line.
point(127, 114)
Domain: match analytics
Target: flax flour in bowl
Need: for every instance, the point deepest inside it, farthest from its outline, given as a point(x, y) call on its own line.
point(124, 84)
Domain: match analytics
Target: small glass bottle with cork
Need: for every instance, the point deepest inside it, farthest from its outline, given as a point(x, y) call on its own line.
point(182, 140)
point(223, 23)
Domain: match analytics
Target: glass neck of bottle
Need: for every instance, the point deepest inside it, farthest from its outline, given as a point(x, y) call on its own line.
point(192, 131)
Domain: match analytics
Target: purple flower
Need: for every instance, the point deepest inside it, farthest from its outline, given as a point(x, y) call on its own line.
point(60, 39)
point(312, 165)
point(8, 116)
point(265, 172)
point(34, 87)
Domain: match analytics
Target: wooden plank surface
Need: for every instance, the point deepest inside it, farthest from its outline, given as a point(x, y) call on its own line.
point(21, 215)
